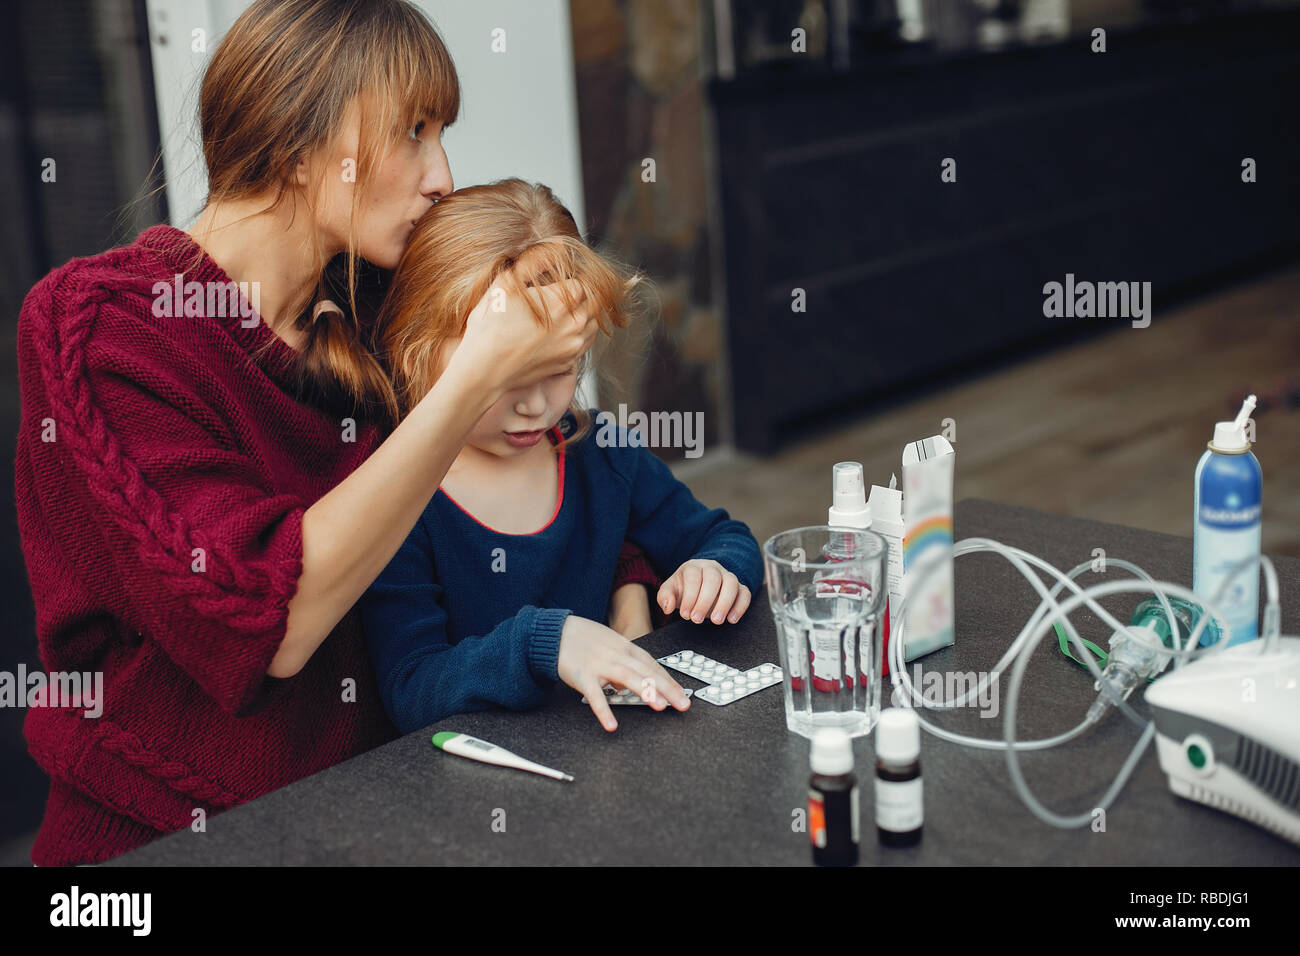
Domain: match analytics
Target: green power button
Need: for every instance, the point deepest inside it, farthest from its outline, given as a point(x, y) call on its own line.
point(1196, 755)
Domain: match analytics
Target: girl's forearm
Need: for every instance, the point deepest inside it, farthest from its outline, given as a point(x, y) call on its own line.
point(350, 534)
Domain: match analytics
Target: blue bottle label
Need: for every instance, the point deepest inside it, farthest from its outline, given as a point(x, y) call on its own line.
point(1227, 532)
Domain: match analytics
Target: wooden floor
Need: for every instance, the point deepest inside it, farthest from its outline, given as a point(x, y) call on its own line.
point(1110, 429)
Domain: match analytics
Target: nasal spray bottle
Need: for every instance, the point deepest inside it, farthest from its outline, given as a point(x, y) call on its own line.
point(1229, 485)
point(849, 510)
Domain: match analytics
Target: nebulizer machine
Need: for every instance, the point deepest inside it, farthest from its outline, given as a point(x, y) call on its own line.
point(1225, 719)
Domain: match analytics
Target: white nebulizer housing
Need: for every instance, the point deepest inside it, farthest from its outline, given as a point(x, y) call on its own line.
point(1228, 732)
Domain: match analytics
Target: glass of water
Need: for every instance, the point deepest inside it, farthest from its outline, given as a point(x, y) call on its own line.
point(827, 590)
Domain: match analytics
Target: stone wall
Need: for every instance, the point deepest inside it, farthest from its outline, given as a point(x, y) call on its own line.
point(641, 68)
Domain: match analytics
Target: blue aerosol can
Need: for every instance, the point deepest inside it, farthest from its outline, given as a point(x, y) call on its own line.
point(1229, 485)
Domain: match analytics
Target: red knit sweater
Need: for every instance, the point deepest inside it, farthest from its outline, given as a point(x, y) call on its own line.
point(163, 469)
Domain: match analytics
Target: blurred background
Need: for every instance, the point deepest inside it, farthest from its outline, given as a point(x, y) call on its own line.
point(849, 210)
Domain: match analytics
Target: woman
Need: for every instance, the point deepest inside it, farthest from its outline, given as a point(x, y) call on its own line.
point(205, 490)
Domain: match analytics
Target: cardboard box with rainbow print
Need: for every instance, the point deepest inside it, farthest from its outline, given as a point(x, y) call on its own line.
point(917, 523)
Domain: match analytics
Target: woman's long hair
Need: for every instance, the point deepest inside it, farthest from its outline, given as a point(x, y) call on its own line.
point(278, 88)
point(511, 234)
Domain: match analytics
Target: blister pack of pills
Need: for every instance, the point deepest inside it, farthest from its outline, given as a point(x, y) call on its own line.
point(698, 666)
point(731, 689)
point(726, 684)
point(624, 697)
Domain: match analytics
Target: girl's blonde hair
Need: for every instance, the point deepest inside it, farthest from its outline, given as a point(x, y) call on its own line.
point(277, 88)
point(511, 234)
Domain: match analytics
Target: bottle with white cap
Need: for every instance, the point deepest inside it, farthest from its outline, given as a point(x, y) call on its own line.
point(833, 652)
point(833, 799)
point(849, 510)
point(900, 810)
point(1227, 528)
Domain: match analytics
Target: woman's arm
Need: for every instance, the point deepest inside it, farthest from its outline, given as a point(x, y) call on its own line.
point(349, 535)
point(629, 603)
point(629, 611)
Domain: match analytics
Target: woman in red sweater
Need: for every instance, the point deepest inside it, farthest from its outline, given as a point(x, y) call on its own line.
point(208, 480)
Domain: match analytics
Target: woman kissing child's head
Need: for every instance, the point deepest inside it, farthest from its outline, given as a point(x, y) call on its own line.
point(505, 237)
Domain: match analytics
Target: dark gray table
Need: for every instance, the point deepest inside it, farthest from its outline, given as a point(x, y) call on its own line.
point(721, 785)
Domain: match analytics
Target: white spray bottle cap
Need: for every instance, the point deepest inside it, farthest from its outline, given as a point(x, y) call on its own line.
point(832, 752)
point(1231, 436)
point(849, 497)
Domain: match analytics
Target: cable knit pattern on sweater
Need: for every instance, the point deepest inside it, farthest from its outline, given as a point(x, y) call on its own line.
point(162, 472)
point(230, 588)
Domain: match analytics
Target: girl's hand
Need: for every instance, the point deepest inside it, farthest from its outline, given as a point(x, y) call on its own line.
point(629, 611)
point(592, 655)
point(506, 343)
point(702, 587)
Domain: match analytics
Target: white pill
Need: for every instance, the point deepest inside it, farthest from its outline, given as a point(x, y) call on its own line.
point(727, 695)
point(670, 659)
point(767, 668)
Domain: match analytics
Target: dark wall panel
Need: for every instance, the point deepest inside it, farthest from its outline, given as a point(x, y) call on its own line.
point(1123, 166)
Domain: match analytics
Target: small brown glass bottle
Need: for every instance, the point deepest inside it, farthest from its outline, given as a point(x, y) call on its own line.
point(900, 811)
point(833, 799)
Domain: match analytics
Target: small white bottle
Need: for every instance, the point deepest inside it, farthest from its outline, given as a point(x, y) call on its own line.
point(833, 799)
point(900, 811)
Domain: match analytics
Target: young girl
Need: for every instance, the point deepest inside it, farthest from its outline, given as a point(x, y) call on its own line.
point(501, 588)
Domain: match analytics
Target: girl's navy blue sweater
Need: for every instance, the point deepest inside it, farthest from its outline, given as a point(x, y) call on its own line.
point(466, 618)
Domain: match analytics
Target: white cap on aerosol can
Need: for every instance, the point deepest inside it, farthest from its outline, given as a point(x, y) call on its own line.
point(1231, 436)
point(849, 497)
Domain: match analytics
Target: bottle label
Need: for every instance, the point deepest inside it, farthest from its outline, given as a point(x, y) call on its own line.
point(816, 819)
point(827, 656)
point(1227, 534)
point(898, 805)
point(795, 655)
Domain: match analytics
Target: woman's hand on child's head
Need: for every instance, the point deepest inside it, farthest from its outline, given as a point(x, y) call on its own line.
point(704, 588)
point(504, 339)
point(592, 655)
